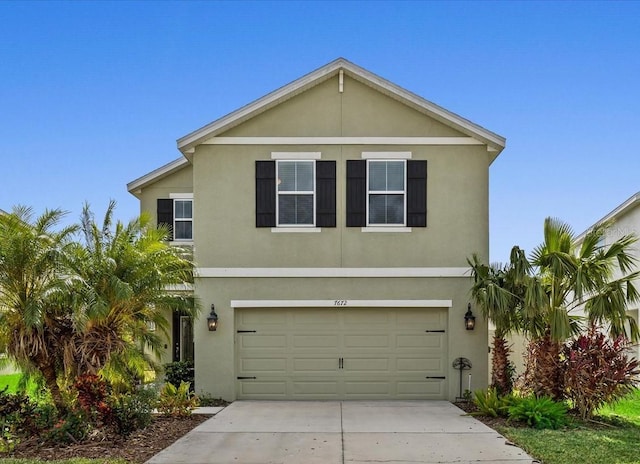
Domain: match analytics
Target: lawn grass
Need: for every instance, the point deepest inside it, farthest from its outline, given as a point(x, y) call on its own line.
point(612, 441)
point(585, 445)
point(627, 409)
point(12, 381)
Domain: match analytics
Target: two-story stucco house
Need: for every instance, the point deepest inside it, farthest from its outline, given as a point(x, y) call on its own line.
point(331, 221)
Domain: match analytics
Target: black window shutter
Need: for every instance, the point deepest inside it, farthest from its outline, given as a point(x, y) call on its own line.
point(265, 193)
point(325, 193)
point(416, 193)
point(164, 213)
point(175, 335)
point(356, 193)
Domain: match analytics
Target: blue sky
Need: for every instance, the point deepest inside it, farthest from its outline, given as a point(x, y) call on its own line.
point(95, 94)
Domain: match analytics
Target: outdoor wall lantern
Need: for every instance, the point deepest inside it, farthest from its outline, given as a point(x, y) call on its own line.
point(212, 320)
point(469, 319)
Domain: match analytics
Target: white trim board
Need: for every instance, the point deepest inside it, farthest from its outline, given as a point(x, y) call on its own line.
point(341, 303)
point(340, 272)
point(342, 141)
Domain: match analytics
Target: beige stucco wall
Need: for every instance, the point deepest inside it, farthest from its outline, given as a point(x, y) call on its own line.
point(457, 213)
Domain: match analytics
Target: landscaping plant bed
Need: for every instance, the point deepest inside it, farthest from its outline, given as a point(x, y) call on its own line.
point(137, 448)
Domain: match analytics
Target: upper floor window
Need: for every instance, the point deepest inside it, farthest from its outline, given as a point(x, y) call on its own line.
point(296, 192)
point(183, 219)
point(176, 213)
point(386, 192)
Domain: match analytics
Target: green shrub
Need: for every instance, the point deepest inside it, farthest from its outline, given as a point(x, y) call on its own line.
point(178, 372)
point(541, 413)
point(489, 403)
point(132, 411)
point(17, 418)
point(71, 428)
point(177, 401)
point(597, 371)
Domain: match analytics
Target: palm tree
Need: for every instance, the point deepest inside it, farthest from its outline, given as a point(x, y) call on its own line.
point(572, 278)
point(500, 293)
point(35, 327)
point(129, 277)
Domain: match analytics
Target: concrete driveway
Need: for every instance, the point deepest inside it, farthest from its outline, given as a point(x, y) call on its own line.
point(335, 432)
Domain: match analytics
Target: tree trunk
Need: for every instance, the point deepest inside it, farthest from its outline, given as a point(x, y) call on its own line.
point(501, 369)
point(51, 380)
point(543, 375)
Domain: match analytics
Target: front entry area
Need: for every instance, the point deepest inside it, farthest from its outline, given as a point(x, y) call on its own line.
point(341, 353)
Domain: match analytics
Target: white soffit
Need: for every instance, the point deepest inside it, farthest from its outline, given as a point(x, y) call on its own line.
point(493, 141)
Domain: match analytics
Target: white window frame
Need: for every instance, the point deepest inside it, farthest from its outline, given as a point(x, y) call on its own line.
point(388, 192)
point(289, 157)
point(182, 197)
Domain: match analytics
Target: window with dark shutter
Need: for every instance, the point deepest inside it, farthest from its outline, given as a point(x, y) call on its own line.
point(164, 214)
point(416, 193)
point(325, 193)
point(356, 193)
point(289, 191)
point(265, 193)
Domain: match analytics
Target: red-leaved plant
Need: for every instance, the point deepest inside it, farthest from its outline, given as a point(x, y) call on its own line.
point(597, 371)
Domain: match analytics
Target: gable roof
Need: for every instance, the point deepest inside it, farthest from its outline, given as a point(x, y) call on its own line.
point(629, 204)
point(493, 141)
point(135, 186)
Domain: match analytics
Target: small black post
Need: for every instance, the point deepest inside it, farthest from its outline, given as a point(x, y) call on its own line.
point(462, 364)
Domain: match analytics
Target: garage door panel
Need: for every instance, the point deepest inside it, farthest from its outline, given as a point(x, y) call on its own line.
point(421, 340)
point(354, 364)
point(353, 319)
point(317, 389)
point(365, 388)
point(424, 364)
point(303, 365)
point(263, 341)
point(367, 341)
point(429, 389)
point(315, 341)
point(326, 317)
point(430, 319)
point(262, 365)
point(252, 317)
point(263, 388)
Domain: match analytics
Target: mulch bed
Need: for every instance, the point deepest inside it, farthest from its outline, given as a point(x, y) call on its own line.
point(137, 448)
point(141, 445)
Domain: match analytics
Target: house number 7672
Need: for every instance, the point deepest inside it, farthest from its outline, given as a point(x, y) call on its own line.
point(340, 303)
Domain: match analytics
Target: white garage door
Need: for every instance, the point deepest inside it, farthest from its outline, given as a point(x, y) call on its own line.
point(348, 353)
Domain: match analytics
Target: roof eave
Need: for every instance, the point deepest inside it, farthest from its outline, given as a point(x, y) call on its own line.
point(618, 211)
point(135, 187)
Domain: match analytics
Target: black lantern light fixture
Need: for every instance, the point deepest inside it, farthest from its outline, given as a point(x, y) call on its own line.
point(469, 319)
point(212, 320)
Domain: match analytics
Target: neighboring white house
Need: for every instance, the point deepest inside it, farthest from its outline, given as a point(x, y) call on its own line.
point(623, 220)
